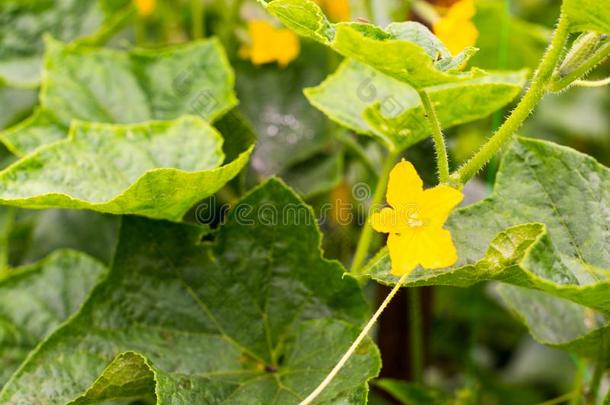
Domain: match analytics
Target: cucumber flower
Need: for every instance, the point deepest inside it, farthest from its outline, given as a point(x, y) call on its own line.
point(269, 44)
point(455, 29)
point(145, 7)
point(415, 221)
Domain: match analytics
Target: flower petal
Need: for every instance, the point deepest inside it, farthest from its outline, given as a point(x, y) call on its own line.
point(385, 221)
point(434, 248)
point(436, 204)
point(462, 10)
point(403, 252)
point(456, 34)
point(404, 186)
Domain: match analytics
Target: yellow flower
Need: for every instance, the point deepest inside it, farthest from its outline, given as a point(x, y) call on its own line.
point(270, 44)
point(145, 7)
point(337, 10)
point(415, 221)
point(455, 28)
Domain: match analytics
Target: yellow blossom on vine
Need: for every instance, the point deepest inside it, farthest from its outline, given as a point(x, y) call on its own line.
point(415, 221)
point(455, 28)
point(145, 7)
point(337, 10)
point(270, 44)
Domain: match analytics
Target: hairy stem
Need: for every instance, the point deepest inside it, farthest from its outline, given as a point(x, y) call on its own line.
point(365, 331)
point(442, 159)
point(415, 335)
point(592, 83)
point(528, 102)
point(362, 249)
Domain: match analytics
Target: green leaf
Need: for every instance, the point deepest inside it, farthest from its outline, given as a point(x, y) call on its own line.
point(369, 102)
point(588, 15)
point(289, 130)
point(40, 128)
point(110, 86)
point(557, 322)
point(156, 169)
point(86, 231)
point(411, 394)
point(23, 23)
point(317, 175)
point(30, 309)
point(257, 316)
point(407, 51)
point(545, 227)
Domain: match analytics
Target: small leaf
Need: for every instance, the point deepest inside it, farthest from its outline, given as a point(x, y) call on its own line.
point(156, 169)
point(369, 102)
point(566, 254)
point(30, 310)
point(257, 316)
point(407, 51)
point(588, 15)
point(22, 25)
point(110, 86)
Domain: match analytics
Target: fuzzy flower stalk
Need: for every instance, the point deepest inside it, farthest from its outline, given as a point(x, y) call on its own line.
point(414, 222)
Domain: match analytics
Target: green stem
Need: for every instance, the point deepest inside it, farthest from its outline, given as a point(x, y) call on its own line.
point(362, 249)
point(592, 83)
point(416, 335)
point(578, 384)
point(365, 331)
point(560, 83)
point(560, 400)
point(600, 368)
point(442, 159)
point(140, 31)
point(197, 19)
point(528, 102)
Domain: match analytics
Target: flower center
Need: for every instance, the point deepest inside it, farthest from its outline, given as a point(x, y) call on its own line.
point(413, 220)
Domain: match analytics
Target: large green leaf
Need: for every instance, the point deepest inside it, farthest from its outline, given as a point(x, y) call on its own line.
point(407, 51)
point(35, 299)
point(103, 85)
point(157, 169)
point(257, 316)
point(369, 102)
point(23, 23)
point(557, 322)
point(545, 227)
point(588, 15)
